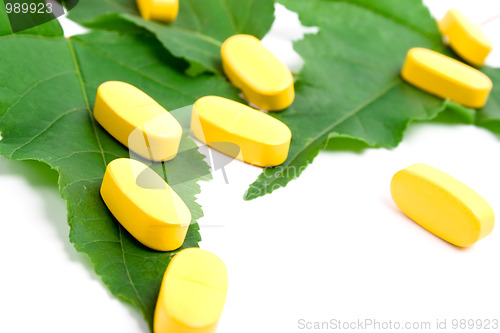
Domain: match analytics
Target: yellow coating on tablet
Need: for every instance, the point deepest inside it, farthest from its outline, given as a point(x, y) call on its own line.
point(222, 123)
point(263, 78)
point(192, 294)
point(145, 204)
point(446, 77)
point(442, 205)
point(137, 121)
point(159, 10)
point(465, 37)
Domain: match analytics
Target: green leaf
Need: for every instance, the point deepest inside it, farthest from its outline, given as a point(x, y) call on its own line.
point(489, 116)
point(350, 84)
point(46, 97)
point(197, 34)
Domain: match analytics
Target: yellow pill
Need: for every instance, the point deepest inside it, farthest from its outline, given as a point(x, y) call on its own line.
point(263, 78)
point(442, 205)
point(465, 37)
point(446, 77)
point(222, 124)
point(159, 10)
point(145, 205)
point(137, 121)
point(192, 294)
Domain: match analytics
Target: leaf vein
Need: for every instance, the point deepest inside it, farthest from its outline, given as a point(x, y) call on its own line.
point(196, 15)
point(33, 86)
point(80, 181)
point(120, 228)
point(83, 152)
point(44, 130)
point(330, 128)
point(139, 73)
point(207, 38)
point(231, 17)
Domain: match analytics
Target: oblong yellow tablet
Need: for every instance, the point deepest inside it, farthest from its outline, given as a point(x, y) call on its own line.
point(465, 37)
point(192, 294)
point(262, 140)
point(137, 121)
point(159, 10)
point(443, 205)
point(263, 78)
point(145, 204)
point(446, 77)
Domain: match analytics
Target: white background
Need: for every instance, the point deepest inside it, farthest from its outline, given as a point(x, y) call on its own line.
point(331, 245)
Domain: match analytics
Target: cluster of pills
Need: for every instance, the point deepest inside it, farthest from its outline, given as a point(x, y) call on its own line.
point(194, 287)
point(446, 77)
point(438, 202)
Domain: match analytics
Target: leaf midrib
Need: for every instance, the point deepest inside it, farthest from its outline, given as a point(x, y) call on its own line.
point(347, 116)
point(94, 128)
point(136, 71)
point(85, 97)
point(134, 20)
point(391, 85)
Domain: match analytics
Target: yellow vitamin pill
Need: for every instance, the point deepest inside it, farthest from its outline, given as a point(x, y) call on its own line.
point(221, 123)
point(263, 78)
point(159, 10)
point(446, 77)
point(137, 121)
point(465, 37)
point(145, 205)
point(442, 205)
point(192, 294)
